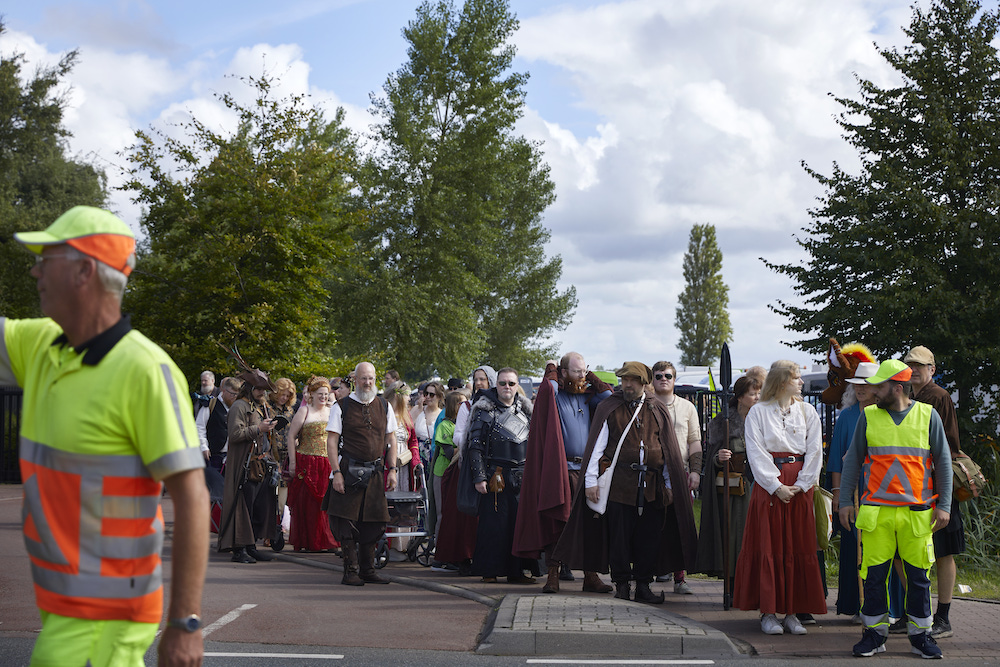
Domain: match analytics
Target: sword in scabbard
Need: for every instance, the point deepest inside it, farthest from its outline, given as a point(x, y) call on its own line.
point(641, 494)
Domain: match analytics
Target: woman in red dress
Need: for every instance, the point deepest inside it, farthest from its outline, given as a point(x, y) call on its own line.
point(309, 468)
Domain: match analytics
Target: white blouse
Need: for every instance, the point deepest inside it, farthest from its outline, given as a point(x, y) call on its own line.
point(798, 432)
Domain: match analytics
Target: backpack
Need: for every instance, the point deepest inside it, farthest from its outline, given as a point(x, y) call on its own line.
point(969, 479)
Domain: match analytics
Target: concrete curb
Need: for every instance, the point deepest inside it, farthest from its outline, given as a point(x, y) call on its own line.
point(433, 586)
point(560, 625)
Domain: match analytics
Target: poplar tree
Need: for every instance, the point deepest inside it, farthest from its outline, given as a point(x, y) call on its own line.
point(702, 316)
point(907, 250)
point(452, 271)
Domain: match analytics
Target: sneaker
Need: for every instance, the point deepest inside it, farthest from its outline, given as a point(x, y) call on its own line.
point(794, 625)
point(925, 646)
point(899, 627)
point(664, 578)
point(871, 643)
point(682, 588)
point(806, 619)
point(941, 629)
point(769, 624)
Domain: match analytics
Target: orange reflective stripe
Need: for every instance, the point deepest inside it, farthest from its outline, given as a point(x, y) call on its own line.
point(129, 567)
point(52, 512)
point(142, 609)
point(130, 486)
point(127, 527)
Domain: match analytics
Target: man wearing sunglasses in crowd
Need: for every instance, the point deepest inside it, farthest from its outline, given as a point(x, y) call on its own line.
point(684, 416)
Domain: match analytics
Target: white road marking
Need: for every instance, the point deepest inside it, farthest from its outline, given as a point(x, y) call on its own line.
point(558, 661)
point(225, 620)
point(314, 656)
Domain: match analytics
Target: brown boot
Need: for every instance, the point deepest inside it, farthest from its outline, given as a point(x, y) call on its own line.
point(552, 585)
point(367, 565)
point(593, 584)
point(349, 549)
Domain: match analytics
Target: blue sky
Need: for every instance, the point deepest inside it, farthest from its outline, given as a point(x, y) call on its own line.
point(654, 115)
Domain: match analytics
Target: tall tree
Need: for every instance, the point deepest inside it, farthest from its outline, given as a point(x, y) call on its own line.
point(906, 252)
point(452, 272)
point(241, 231)
point(38, 180)
point(702, 316)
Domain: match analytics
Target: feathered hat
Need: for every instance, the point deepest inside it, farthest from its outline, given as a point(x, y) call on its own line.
point(843, 364)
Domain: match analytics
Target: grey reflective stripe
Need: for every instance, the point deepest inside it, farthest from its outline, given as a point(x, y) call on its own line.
point(48, 549)
point(85, 465)
point(894, 472)
point(177, 461)
point(131, 547)
point(6, 371)
point(893, 450)
point(95, 586)
point(129, 507)
point(169, 379)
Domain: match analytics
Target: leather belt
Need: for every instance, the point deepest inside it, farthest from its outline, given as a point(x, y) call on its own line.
point(574, 459)
point(788, 459)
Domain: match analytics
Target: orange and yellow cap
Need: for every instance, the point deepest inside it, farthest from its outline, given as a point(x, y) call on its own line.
point(93, 231)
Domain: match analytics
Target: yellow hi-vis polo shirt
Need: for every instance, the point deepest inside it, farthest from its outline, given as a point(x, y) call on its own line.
point(101, 426)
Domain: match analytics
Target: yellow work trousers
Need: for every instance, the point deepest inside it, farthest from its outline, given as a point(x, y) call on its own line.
point(68, 642)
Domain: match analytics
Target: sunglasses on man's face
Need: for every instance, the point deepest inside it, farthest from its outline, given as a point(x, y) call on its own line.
point(337, 388)
point(507, 383)
point(663, 376)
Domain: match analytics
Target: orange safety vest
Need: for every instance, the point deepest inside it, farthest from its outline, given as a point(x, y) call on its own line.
point(93, 528)
point(899, 463)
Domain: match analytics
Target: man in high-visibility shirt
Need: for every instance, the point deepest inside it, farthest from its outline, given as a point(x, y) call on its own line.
point(904, 498)
point(106, 422)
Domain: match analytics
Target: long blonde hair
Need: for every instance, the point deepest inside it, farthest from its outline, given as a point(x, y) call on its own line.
point(779, 375)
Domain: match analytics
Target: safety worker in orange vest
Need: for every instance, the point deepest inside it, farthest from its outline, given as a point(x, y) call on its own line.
point(905, 496)
point(106, 422)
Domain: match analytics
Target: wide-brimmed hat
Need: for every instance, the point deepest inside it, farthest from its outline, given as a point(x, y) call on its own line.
point(93, 231)
point(864, 371)
point(635, 369)
point(890, 369)
point(257, 379)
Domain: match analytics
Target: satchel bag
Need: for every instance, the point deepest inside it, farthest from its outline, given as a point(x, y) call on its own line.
point(604, 480)
point(255, 472)
point(969, 479)
point(403, 456)
point(736, 486)
point(356, 473)
point(272, 473)
point(823, 509)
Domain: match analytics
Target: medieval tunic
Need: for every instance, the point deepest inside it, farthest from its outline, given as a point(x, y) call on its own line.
point(586, 540)
point(253, 509)
point(362, 429)
point(710, 554)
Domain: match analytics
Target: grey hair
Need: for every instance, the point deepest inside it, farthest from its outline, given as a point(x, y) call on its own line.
point(112, 280)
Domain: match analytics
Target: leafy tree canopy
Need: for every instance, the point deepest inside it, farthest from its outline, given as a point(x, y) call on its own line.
point(907, 251)
point(452, 272)
point(241, 230)
point(38, 181)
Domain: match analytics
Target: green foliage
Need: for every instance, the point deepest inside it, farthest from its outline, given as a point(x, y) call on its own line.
point(241, 231)
point(451, 272)
point(38, 182)
point(906, 252)
point(702, 318)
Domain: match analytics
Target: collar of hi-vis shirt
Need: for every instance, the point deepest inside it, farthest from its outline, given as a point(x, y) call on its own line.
point(97, 347)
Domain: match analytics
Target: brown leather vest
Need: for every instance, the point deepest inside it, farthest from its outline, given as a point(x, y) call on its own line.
point(645, 429)
point(364, 427)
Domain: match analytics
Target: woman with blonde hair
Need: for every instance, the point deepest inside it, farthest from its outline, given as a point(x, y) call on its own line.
point(777, 570)
point(309, 468)
point(398, 397)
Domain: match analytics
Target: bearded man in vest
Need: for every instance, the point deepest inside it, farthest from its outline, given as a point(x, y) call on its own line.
point(94, 467)
point(905, 497)
point(361, 444)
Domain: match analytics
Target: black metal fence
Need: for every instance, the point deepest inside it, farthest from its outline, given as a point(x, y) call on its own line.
point(10, 427)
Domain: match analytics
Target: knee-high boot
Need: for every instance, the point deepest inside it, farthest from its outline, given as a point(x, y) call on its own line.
point(349, 549)
point(367, 565)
